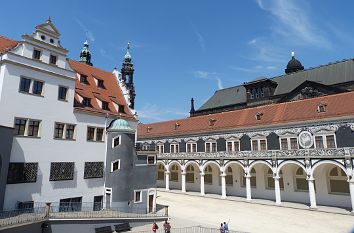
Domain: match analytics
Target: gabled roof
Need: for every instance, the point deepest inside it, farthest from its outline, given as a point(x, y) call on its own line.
point(111, 93)
point(330, 74)
point(48, 26)
point(6, 44)
point(337, 105)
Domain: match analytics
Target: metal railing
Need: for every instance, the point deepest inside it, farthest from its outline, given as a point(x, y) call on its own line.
point(15, 217)
point(194, 229)
point(142, 147)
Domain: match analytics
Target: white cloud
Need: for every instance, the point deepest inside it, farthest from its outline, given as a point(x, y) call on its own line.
point(209, 76)
point(157, 113)
point(254, 69)
point(89, 33)
point(200, 37)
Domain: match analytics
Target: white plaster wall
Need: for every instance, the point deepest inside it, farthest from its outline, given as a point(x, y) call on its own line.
point(196, 185)
point(261, 191)
point(216, 186)
point(236, 189)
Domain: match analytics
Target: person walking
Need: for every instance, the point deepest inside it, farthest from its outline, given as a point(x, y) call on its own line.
point(222, 228)
point(154, 227)
point(226, 227)
point(167, 227)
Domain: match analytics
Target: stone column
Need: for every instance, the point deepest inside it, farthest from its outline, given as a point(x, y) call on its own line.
point(312, 192)
point(223, 185)
point(202, 191)
point(248, 187)
point(351, 189)
point(183, 181)
point(277, 190)
point(167, 179)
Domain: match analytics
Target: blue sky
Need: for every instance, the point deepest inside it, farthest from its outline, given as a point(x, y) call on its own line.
point(183, 49)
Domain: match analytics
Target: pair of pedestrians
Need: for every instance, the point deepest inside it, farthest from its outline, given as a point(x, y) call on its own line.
point(224, 227)
point(166, 227)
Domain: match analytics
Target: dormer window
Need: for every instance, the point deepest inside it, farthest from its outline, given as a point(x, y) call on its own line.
point(177, 126)
point(105, 105)
point(211, 122)
point(83, 79)
point(43, 37)
point(51, 41)
point(259, 116)
point(36, 54)
point(86, 102)
point(100, 83)
point(53, 59)
point(148, 129)
point(321, 108)
point(121, 108)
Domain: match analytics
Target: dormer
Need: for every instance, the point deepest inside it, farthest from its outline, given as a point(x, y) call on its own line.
point(260, 89)
point(47, 33)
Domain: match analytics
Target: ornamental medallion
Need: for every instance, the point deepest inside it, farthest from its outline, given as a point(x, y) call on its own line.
point(305, 139)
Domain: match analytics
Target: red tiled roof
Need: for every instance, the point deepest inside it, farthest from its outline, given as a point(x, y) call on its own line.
point(338, 105)
point(111, 93)
point(6, 44)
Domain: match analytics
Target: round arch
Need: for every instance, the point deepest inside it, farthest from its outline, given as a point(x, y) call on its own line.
point(160, 162)
point(233, 162)
point(332, 162)
point(259, 162)
point(190, 162)
point(290, 162)
point(211, 162)
point(173, 162)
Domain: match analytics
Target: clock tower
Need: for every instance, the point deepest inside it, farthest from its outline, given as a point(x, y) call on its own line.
point(127, 75)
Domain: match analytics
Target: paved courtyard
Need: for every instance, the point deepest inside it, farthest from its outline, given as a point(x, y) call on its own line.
point(192, 210)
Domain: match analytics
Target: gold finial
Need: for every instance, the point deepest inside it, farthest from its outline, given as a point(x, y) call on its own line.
point(292, 54)
point(49, 19)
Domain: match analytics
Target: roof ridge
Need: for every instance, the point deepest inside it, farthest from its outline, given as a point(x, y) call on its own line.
point(91, 67)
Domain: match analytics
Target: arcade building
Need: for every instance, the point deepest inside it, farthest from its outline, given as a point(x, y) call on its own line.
point(286, 138)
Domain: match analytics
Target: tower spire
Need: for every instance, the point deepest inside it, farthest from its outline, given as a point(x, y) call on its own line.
point(85, 55)
point(128, 72)
point(192, 107)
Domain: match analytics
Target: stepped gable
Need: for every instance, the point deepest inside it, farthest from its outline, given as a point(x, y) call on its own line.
point(6, 44)
point(111, 93)
point(337, 106)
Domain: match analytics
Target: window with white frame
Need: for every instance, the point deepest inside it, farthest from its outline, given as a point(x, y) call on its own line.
point(174, 173)
point(151, 160)
point(115, 165)
point(208, 175)
point(160, 172)
point(270, 180)
point(210, 147)
point(64, 131)
point(288, 143)
point(27, 127)
point(174, 148)
point(253, 179)
point(337, 181)
point(233, 145)
point(116, 141)
point(36, 54)
point(191, 147)
point(95, 134)
point(301, 183)
point(63, 93)
point(31, 86)
point(325, 141)
point(138, 197)
point(160, 148)
point(190, 174)
point(258, 144)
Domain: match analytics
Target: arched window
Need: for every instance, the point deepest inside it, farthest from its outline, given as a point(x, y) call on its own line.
point(337, 180)
point(160, 172)
point(270, 179)
point(253, 179)
point(190, 174)
point(301, 183)
point(229, 177)
point(174, 173)
point(208, 177)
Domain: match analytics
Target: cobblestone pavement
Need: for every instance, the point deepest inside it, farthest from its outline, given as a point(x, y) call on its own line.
point(191, 210)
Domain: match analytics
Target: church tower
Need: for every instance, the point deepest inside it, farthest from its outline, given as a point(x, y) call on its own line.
point(127, 75)
point(85, 55)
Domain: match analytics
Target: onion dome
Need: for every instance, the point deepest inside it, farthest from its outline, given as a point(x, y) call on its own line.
point(293, 65)
point(121, 124)
point(85, 54)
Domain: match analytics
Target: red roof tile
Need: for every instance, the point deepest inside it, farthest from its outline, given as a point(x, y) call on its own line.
point(111, 93)
point(6, 44)
point(338, 105)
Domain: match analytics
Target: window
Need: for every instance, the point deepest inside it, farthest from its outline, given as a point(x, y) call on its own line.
point(229, 177)
point(94, 134)
point(22, 173)
point(36, 54)
point(253, 179)
point(300, 180)
point(210, 147)
point(259, 116)
point(27, 205)
point(83, 79)
point(62, 93)
point(27, 127)
point(190, 174)
point(208, 177)
point(64, 131)
point(289, 143)
point(53, 60)
point(337, 180)
point(116, 141)
point(160, 172)
point(100, 83)
point(151, 160)
point(270, 179)
point(259, 144)
point(61, 171)
point(321, 108)
point(70, 204)
point(86, 102)
point(97, 203)
point(121, 108)
point(115, 165)
point(233, 146)
point(160, 148)
point(105, 105)
point(137, 196)
point(174, 148)
point(93, 170)
point(191, 147)
point(174, 173)
point(31, 86)
point(325, 141)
